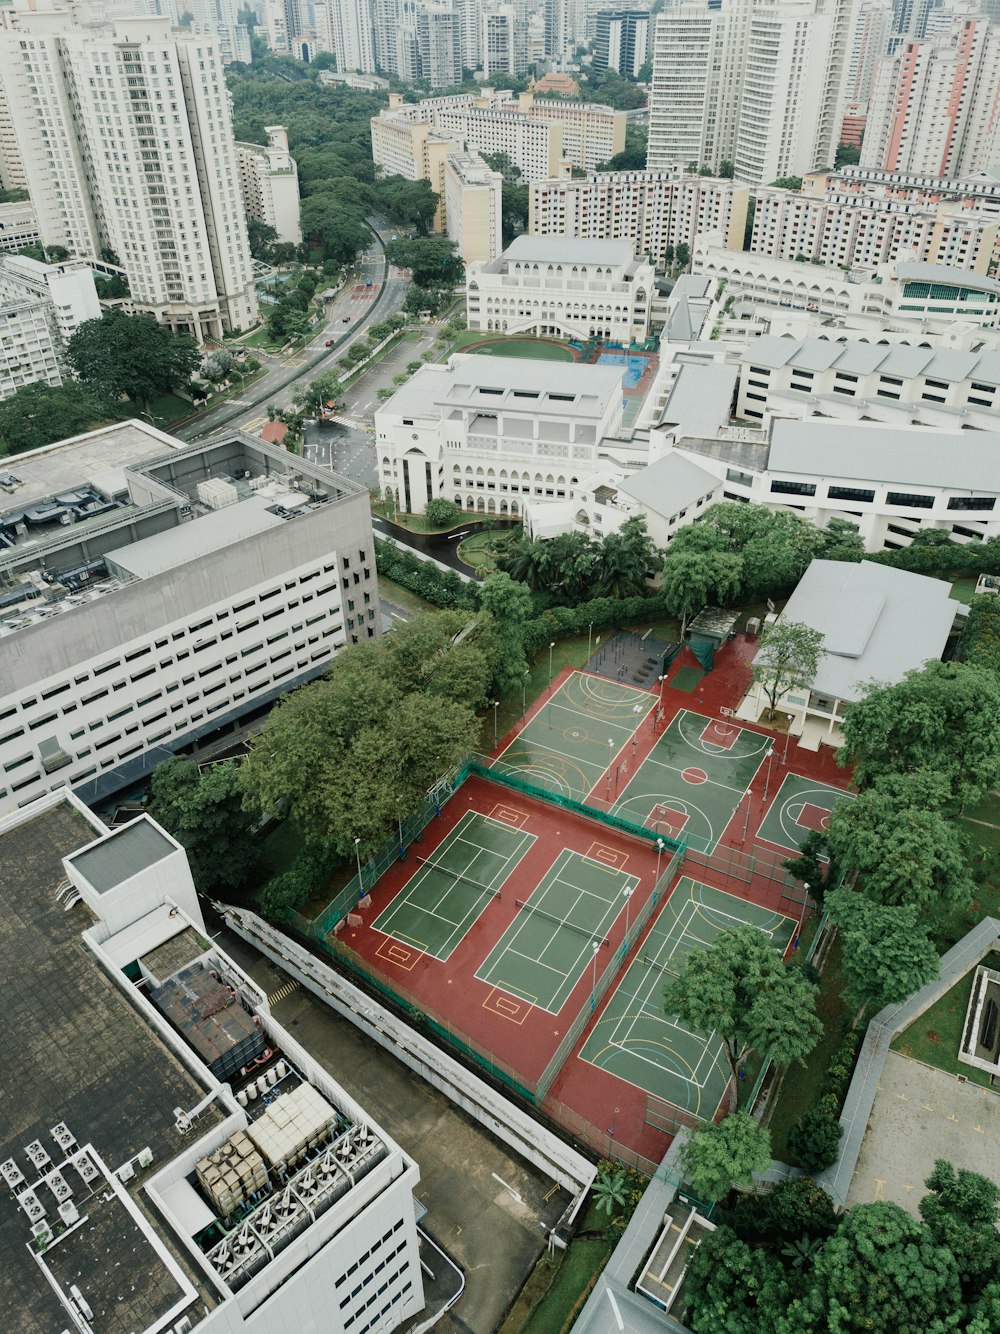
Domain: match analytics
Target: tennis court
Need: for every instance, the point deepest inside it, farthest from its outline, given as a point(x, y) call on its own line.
point(444, 898)
point(567, 746)
point(692, 781)
point(545, 950)
point(635, 1040)
point(800, 806)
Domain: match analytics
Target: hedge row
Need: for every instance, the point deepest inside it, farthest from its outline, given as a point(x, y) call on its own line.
point(981, 637)
point(443, 588)
point(815, 1136)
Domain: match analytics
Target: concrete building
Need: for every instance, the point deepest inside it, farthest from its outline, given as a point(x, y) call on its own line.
point(931, 296)
point(503, 42)
point(473, 197)
point(623, 40)
point(439, 43)
point(758, 85)
point(18, 227)
point(934, 107)
point(41, 307)
point(347, 28)
point(269, 180)
point(127, 146)
point(155, 593)
point(877, 623)
point(870, 28)
point(490, 433)
point(185, 1165)
point(592, 133)
point(12, 175)
point(650, 209)
point(863, 226)
point(221, 17)
point(850, 380)
point(569, 289)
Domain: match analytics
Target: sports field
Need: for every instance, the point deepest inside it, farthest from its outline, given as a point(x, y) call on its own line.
point(692, 781)
point(560, 927)
point(800, 805)
point(568, 745)
point(635, 1040)
point(503, 345)
point(444, 898)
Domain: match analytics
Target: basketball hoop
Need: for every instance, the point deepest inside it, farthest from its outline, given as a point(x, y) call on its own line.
point(725, 728)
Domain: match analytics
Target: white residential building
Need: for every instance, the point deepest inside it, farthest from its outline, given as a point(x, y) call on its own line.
point(18, 227)
point(12, 175)
point(565, 288)
point(155, 592)
point(490, 433)
point(758, 85)
point(221, 17)
point(933, 296)
point(439, 43)
point(41, 307)
point(473, 198)
point(650, 209)
point(187, 1165)
point(347, 28)
point(934, 105)
point(127, 146)
point(623, 40)
point(898, 384)
point(269, 180)
point(872, 225)
point(503, 41)
point(871, 25)
point(592, 132)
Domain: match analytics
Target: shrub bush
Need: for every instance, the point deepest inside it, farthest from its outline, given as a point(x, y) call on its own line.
point(815, 1137)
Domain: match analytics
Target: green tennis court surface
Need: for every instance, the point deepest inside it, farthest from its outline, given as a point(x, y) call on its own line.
point(801, 805)
point(687, 678)
point(694, 778)
point(565, 746)
point(635, 1040)
point(435, 909)
point(544, 951)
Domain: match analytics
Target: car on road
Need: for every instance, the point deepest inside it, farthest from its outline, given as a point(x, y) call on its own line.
point(328, 343)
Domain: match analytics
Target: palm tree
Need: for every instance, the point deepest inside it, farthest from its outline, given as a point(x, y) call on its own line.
point(610, 1190)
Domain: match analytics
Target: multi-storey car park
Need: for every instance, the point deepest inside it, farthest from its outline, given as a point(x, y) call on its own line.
point(152, 593)
point(171, 1158)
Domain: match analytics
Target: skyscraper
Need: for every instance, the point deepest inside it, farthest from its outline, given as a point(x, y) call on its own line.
point(622, 40)
point(125, 136)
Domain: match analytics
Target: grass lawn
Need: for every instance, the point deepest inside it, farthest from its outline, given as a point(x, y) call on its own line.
point(562, 1293)
point(402, 597)
point(169, 408)
point(934, 1038)
point(987, 810)
point(499, 345)
point(801, 1085)
point(481, 550)
point(964, 589)
point(263, 339)
point(416, 523)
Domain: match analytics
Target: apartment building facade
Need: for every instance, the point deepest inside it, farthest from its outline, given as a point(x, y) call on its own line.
point(653, 210)
point(269, 180)
point(489, 433)
point(127, 146)
point(503, 41)
point(563, 288)
point(156, 592)
point(622, 40)
point(473, 200)
point(41, 307)
point(757, 85)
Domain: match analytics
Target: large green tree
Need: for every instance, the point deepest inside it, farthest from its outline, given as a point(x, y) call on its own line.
point(943, 717)
point(339, 235)
point(131, 356)
point(509, 606)
point(962, 1209)
point(40, 414)
point(733, 1288)
point(433, 261)
point(407, 201)
point(739, 989)
point(898, 836)
point(204, 811)
point(887, 954)
point(720, 1157)
point(788, 654)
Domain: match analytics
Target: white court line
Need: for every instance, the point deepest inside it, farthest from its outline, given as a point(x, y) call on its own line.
point(554, 750)
point(627, 728)
point(663, 764)
point(530, 958)
point(656, 978)
point(719, 752)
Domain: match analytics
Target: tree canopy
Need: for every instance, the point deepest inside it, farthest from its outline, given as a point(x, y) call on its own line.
point(432, 260)
point(887, 954)
point(39, 414)
point(787, 658)
point(720, 1157)
point(739, 989)
point(131, 356)
point(204, 811)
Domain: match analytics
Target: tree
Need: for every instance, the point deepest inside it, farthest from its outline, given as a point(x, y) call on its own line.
point(815, 866)
point(886, 953)
point(739, 989)
point(733, 1288)
point(262, 237)
point(408, 201)
point(39, 414)
point(217, 366)
point(682, 254)
point(787, 183)
point(787, 659)
point(943, 717)
point(628, 559)
point(514, 211)
point(338, 234)
point(720, 1157)
point(610, 1191)
point(905, 847)
point(697, 571)
point(629, 159)
point(815, 1136)
point(442, 513)
point(962, 1210)
point(325, 389)
point(433, 261)
point(841, 541)
point(727, 170)
point(509, 607)
point(847, 155)
point(204, 811)
point(505, 165)
point(131, 356)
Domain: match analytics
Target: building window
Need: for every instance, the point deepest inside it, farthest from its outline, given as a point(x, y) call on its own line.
point(850, 493)
point(910, 500)
point(793, 488)
point(972, 502)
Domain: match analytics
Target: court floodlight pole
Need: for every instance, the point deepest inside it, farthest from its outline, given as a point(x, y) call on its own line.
point(746, 817)
point(551, 647)
point(767, 778)
point(399, 821)
point(788, 737)
point(496, 705)
point(802, 915)
point(611, 760)
point(637, 710)
point(627, 895)
point(595, 945)
point(357, 853)
point(524, 693)
point(659, 854)
point(590, 635)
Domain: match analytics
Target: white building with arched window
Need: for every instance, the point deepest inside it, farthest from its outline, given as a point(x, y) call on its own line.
point(491, 432)
point(564, 287)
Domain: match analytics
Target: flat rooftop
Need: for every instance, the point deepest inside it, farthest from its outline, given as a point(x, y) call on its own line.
point(522, 385)
point(75, 1052)
point(122, 855)
point(567, 250)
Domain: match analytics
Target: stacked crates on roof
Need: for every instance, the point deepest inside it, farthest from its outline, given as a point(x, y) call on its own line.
point(232, 1174)
point(209, 1017)
point(293, 1124)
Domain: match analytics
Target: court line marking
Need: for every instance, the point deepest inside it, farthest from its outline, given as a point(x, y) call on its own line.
point(553, 750)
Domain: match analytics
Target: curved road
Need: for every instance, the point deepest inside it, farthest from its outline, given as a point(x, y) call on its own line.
point(347, 321)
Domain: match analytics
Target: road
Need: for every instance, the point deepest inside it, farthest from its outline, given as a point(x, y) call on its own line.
point(347, 320)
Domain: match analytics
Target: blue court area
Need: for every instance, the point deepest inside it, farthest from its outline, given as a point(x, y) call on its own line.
point(634, 366)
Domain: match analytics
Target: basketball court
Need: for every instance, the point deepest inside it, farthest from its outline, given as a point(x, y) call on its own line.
point(560, 928)
point(800, 806)
point(568, 744)
point(692, 781)
point(635, 1040)
point(442, 901)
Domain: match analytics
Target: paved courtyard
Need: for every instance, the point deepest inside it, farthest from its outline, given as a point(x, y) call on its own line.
point(921, 1114)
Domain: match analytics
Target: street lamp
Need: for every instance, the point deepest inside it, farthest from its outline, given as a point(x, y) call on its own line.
point(637, 710)
point(590, 634)
point(595, 945)
point(627, 895)
point(770, 761)
point(611, 760)
point(524, 693)
point(399, 821)
point(802, 914)
point(551, 647)
point(788, 737)
point(496, 705)
point(659, 854)
point(357, 853)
